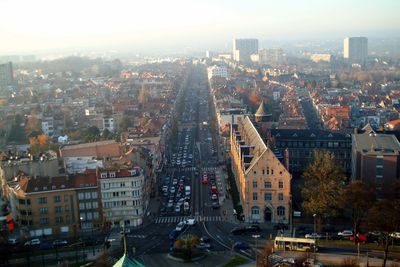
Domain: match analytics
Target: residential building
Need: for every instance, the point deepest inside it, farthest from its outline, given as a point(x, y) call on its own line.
point(217, 71)
point(271, 56)
point(301, 144)
point(243, 49)
point(45, 206)
point(321, 57)
point(375, 159)
point(48, 126)
point(89, 200)
point(122, 193)
point(99, 150)
point(355, 50)
point(108, 123)
point(262, 180)
point(6, 75)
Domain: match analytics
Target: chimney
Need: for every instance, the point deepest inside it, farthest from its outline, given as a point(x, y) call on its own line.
point(286, 158)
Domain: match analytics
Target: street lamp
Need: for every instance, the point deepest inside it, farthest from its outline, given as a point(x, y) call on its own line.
point(315, 231)
point(255, 248)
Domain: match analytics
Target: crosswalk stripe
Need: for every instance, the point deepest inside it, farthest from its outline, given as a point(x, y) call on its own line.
point(177, 219)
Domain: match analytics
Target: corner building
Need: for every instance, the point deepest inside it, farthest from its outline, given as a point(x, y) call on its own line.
point(262, 180)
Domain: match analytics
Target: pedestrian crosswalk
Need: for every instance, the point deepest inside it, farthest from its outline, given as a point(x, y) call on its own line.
point(198, 218)
point(209, 168)
point(188, 169)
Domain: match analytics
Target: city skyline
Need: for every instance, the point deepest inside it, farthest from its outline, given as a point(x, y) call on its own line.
point(42, 25)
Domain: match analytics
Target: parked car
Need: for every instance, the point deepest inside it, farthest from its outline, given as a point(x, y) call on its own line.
point(241, 246)
point(46, 245)
point(60, 243)
point(205, 239)
point(360, 238)
point(313, 236)
point(345, 234)
point(253, 229)
point(33, 242)
point(13, 241)
point(215, 205)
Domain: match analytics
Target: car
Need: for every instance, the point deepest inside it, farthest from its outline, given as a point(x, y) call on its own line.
point(173, 234)
point(60, 243)
point(205, 239)
point(178, 208)
point(215, 205)
point(172, 190)
point(281, 226)
point(238, 231)
point(214, 197)
point(253, 229)
point(205, 180)
point(313, 236)
point(190, 222)
point(214, 189)
point(13, 241)
point(186, 206)
point(345, 234)
point(125, 231)
point(395, 235)
point(360, 238)
point(241, 246)
point(175, 181)
point(32, 242)
point(165, 188)
point(181, 226)
point(203, 245)
point(46, 245)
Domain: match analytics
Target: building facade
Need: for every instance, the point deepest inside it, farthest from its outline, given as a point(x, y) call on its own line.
point(6, 75)
point(302, 142)
point(355, 50)
point(375, 160)
point(271, 56)
point(262, 180)
point(243, 49)
point(122, 193)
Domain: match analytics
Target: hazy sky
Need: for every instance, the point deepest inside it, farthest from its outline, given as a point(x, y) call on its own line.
point(31, 25)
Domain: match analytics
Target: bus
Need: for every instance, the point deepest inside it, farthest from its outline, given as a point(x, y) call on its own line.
point(294, 243)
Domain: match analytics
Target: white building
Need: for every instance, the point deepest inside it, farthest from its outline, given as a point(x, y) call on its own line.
point(217, 71)
point(321, 57)
point(271, 56)
point(122, 193)
point(355, 49)
point(48, 126)
point(108, 123)
point(244, 48)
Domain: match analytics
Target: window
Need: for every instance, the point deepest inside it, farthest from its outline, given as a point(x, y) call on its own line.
point(59, 219)
point(103, 175)
point(267, 196)
point(255, 210)
point(267, 170)
point(88, 195)
point(81, 196)
point(254, 184)
point(112, 174)
point(57, 199)
point(95, 215)
point(254, 172)
point(280, 211)
point(267, 184)
point(255, 196)
point(89, 216)
point(81, 206)
point(44, 221)
point(94, 195)
point(263, 171)
point(65, 198)
point(280, 184)
point(42, 200)
point(272, 171)
point(58, 209)
point(95, 205)
point(280, 196)
point(88, 205)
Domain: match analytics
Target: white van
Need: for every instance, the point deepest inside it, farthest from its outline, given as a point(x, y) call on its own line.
point(187, 190)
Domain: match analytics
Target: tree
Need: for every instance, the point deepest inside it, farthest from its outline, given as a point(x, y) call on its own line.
point(91, 134)
point(124, 124)
point(17, 133)
point(39, 143)
point(32, 125)
point(384, 217)
point(323, 186)
point(106, 134)
point(358, 197)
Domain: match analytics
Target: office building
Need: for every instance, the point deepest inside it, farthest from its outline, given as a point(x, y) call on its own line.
point(263, 181)
point(217, 71)
point(355, 50)
point(6, 75)
point(243, 49)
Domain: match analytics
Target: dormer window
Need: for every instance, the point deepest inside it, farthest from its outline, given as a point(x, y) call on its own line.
point(44, 187)
point(103, 175)
point(53, 187)
point(112, 174)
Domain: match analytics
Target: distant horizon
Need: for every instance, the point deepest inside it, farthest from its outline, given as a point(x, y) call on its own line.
point(45, 25)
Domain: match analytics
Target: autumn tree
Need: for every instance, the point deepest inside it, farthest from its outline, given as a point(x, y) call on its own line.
point(384, 217)
point(32, 125)
point(323, 186)
point(91, 134)
point(358, 197)
point(39, 143)
point(17, 131)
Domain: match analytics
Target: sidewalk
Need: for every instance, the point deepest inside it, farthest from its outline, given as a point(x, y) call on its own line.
point(226, 203)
